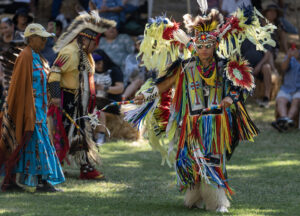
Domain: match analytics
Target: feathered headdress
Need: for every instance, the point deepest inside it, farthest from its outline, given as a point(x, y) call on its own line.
point(203, 26)
point(203, 23)
point(90, 21)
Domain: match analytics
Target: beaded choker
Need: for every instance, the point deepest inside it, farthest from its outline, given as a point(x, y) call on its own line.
point(208, 74)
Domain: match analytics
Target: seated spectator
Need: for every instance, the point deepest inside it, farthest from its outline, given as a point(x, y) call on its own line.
point(8, 34)
point(288, 98)
point(22, 19)
point(117, 46)
point(55, 27)
point(263, 67)
point(263, 63)
point(273, 13)
point(109, 85)
point(109, 9)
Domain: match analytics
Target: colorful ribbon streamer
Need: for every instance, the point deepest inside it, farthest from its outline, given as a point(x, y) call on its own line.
point(117, 104)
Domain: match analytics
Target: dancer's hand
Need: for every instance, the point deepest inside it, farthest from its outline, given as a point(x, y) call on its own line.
point(226, 102)
point(139, 99)
point(56, 102)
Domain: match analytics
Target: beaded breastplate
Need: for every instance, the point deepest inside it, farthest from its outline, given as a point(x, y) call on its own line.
point(200, 95)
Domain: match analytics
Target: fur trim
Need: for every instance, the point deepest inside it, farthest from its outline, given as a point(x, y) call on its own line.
point(90, 21)
point(193, 196)
point(203, 23)
point(202, 194)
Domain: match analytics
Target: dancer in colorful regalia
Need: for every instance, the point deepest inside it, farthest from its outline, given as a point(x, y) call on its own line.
point(197, 101)
point(72, 91)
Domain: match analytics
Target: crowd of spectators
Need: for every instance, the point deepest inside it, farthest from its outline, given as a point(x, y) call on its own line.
point(119, 70)
point(115, 53)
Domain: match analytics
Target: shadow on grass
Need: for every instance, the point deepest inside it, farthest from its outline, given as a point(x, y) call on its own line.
point(265, 175)
point(138, 185)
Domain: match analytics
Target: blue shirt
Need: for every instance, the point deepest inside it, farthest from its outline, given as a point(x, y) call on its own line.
point(291, 83)
point(110, 4)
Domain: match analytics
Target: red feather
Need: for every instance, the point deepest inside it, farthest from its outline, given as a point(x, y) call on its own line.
point(164, 108)
point(168, 32)
point(178, 93)
point(234, 23)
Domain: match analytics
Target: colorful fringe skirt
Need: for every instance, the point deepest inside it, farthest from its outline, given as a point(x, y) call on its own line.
point(206, 141)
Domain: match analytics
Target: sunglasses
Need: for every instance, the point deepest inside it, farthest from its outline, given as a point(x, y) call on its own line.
point(207, 46)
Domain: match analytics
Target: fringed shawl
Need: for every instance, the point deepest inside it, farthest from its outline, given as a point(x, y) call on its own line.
point(19, 112)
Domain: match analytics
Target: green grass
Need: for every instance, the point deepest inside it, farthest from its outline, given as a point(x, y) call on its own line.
point(265, 175)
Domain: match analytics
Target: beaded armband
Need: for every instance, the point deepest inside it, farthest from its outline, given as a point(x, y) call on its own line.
point(150, 94)
point(54, 89)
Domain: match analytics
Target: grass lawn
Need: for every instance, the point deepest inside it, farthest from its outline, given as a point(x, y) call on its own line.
point(265, 175)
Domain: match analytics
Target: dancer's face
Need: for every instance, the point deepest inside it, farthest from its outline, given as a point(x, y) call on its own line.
point(205, 50)
point(88, 45)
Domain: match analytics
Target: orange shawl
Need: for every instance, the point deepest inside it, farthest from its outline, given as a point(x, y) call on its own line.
point(18, 119)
